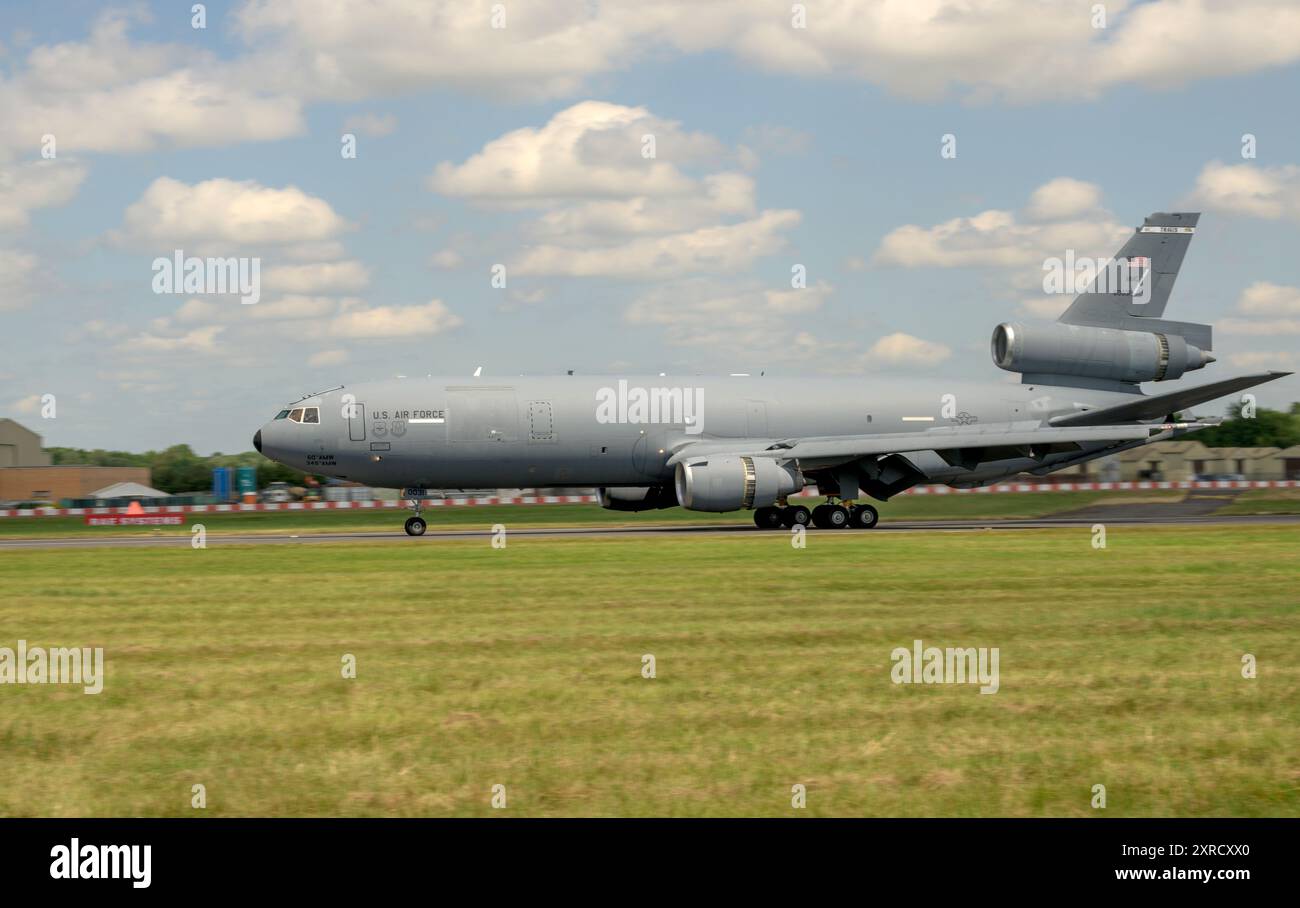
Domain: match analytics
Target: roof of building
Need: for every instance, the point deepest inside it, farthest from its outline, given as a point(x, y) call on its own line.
point(127, 490)
point(9, 424)
point(1244, 453)
point(1162, 447)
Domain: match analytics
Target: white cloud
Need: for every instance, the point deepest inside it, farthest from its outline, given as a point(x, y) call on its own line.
point(1264, 298)
point(35, 184)
point(112, 93)
point(607, 210)
point(1062, 198)
point(1062, 214)
point(750, 320)
point(1262, 359)
point(1020, 50)
point(25, 405)
point(428, 318)
point(227, 214)
point(900, 349)
point(1268, 307)
point(1247, 189)
point(316, 278)
point(109, 93)
point(719, 196)
point(199, 340)
point(590, 150)
point(731, 247)
point(1259, 327)
point(293, 307)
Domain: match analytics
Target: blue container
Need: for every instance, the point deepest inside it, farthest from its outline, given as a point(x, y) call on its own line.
point(221, 489)
point(246, 481)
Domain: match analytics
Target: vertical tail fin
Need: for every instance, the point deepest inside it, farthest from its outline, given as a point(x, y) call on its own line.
point(1151, 257)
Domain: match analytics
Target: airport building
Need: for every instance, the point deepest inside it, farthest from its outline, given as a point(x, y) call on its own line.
point(26, 473)
point(1185, 461)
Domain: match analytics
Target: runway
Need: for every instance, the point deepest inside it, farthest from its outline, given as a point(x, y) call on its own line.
point(662, 531)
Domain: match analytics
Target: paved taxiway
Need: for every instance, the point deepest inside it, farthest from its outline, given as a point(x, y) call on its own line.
point(660, 531)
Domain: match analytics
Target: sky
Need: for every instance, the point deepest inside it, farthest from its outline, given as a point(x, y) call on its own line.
point(853, 188)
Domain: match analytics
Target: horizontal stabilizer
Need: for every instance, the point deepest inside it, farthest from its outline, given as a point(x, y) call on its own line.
point(1158, 405)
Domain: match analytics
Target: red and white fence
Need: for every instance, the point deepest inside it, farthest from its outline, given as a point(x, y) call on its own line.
point(1013, 487)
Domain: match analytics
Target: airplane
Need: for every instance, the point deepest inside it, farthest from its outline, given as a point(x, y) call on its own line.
point(737, 442)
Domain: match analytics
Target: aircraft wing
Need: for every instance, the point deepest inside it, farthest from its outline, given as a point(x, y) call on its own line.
point(977, 440)
point(1157, 405)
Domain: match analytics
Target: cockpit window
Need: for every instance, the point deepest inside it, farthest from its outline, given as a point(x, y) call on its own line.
point(296, 415)
point(282, 414)
point(304, 414)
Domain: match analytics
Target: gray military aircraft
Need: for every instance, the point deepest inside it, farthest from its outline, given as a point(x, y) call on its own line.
point(726, 443)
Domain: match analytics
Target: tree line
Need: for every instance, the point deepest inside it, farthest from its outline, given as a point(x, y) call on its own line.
point(178, 469)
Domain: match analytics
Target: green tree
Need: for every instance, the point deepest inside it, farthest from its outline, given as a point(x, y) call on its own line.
point(1268, 428)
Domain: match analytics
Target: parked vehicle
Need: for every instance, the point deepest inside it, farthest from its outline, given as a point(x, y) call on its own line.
point(278, 493)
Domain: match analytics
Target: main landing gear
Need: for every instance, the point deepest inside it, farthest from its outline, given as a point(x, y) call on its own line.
point(829, 516)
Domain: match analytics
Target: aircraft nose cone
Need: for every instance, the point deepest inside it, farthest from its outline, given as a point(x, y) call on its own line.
point(257, 440)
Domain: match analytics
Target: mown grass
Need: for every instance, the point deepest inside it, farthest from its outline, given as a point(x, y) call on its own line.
point(951, 506)
point(522, 667)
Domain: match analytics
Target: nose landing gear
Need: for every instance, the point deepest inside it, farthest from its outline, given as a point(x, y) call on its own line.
point(415, 526)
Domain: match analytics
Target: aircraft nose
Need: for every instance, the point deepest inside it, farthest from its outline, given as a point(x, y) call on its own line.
point(257, 440)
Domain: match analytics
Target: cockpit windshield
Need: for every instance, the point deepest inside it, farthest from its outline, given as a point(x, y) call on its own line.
point(300, 414)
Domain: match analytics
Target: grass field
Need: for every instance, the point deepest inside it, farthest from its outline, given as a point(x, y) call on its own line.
point(522, 667)
point(906, 507)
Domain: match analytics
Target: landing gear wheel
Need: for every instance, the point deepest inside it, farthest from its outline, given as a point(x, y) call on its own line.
point(830, 516)
point(767, 518)
point(819, 516)
point(863, 517)
point(796, 516)
point(415, 526)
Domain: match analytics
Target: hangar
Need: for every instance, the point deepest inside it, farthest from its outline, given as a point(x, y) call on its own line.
point(26, 473)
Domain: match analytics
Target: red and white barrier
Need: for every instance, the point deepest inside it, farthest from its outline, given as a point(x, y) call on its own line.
point(303, 506)
point(1107, 486)
point(1015, 487)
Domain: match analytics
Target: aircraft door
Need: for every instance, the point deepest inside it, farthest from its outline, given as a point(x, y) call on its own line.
point(357, 422)
point(541, 422)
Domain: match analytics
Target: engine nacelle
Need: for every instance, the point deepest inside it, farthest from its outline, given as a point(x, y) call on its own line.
point(1109, 353)
point(637, 498)
point(728, 482)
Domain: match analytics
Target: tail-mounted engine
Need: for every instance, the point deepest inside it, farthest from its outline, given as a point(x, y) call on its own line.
point(1103, 353)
